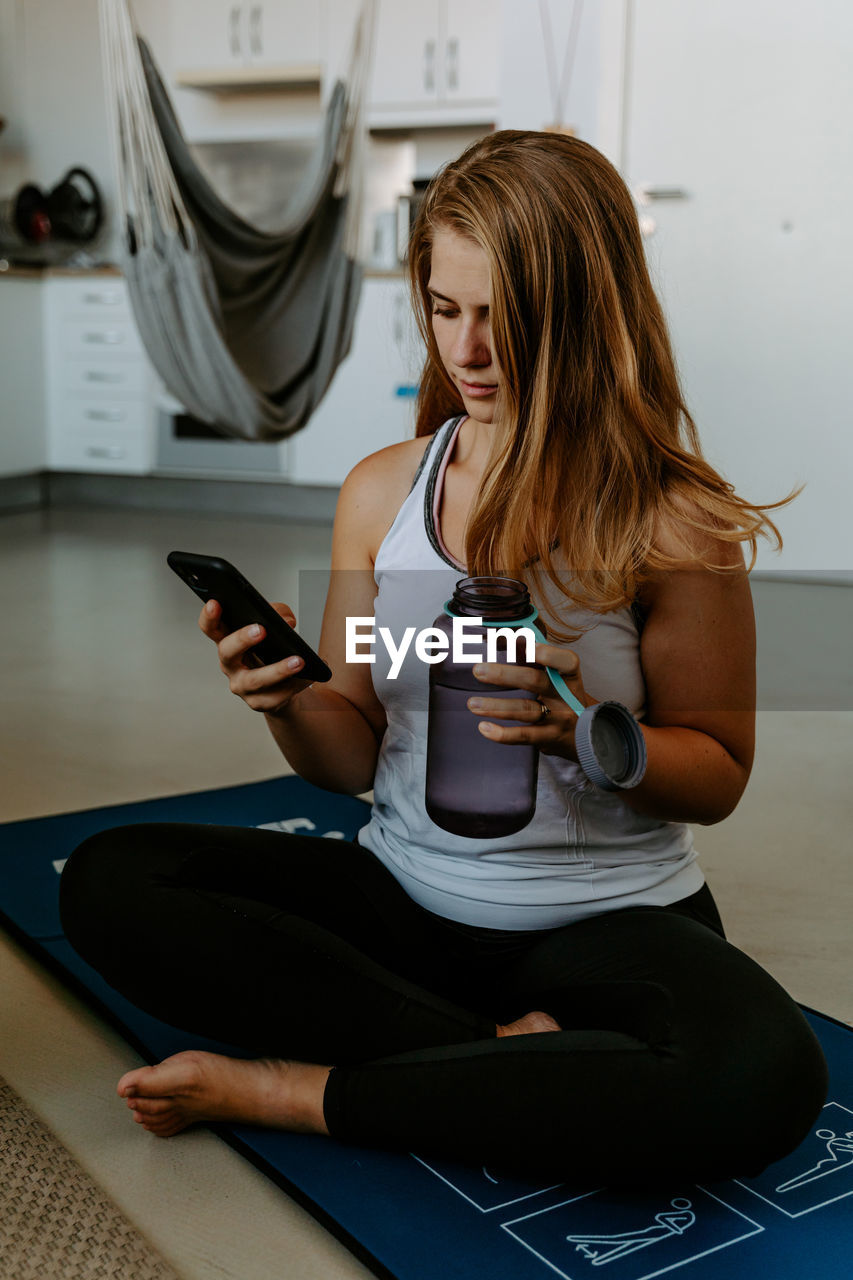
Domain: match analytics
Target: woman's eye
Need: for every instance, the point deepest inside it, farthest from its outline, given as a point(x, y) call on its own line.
point(439, 311)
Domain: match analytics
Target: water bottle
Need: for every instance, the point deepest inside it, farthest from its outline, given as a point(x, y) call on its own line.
point(475, 787)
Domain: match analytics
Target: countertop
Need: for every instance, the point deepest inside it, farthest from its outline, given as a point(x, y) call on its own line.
point(23, 271)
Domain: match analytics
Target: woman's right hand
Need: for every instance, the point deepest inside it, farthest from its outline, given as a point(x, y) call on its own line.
point(268, 689)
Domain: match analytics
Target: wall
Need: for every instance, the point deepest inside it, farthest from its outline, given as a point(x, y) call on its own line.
point(745, 110)
point(12, 167)
point(62, 99)
point(50, 66)
point(590, 81)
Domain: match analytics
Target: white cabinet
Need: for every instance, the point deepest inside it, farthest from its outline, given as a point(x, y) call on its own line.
point(22, 410)
point(369, 404)
point(436, 61)
point(228, 40)
point(98, 381)
point(471, 35)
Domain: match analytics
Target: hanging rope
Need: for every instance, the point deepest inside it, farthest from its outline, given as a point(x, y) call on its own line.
point(559, 83)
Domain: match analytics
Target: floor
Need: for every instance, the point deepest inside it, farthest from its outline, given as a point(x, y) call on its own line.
point(111, 694)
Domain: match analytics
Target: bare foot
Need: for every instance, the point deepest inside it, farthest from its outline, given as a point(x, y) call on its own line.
point(529, 1025)
point(195, 1086)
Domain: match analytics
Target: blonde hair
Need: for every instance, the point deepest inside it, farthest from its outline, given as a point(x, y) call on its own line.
point(593, 441)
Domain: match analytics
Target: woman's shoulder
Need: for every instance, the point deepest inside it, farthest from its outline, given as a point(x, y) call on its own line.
point(689, 535)
point(384, 478)
point(686, 541)
point(375, 489)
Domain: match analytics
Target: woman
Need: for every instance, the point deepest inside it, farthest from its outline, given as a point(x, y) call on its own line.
point(558, 1000)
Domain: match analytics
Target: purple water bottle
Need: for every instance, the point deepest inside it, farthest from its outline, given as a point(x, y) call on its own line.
point(475, 787)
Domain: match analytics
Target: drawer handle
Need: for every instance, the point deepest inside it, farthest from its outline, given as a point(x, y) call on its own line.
point(105, 415)
point(102, 299)
point(105, 451)
point(94, 375)
point(109, 337)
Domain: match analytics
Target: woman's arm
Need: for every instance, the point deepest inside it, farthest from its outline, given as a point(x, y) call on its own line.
point(698, 657)
point(331, 733)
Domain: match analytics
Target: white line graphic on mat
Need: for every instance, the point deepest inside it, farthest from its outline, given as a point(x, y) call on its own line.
point(611, 1233)
point(625, 1242)
point(485, 1189)
point(799, 1183)
point(291, 825)
point(836, 1147)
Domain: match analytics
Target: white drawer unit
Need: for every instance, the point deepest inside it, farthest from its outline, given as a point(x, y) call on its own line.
point(99, 384)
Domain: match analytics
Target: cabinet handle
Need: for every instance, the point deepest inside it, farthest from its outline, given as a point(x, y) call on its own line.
point(109, 337)
point(102, 299)
point(105, 451)
point(105, 415)
point(256, 35)
point(646, 192)
point(94, 375)
point(429, 66)
point(453, 64)
point(234, 31)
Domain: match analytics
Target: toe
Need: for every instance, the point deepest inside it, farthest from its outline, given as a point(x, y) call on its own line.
point(165, 1128)
point(151, 1106)
point(132, 1082)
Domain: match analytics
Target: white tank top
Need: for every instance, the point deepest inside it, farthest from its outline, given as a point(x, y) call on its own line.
point(585, 851)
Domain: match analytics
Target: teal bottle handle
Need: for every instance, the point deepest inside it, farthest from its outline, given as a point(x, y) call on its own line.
point(554, 675)
point(619, 718)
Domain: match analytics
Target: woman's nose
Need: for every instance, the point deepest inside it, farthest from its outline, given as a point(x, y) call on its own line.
point(472, 345)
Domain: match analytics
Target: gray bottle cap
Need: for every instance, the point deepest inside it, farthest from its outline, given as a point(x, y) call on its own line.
point(610, 746)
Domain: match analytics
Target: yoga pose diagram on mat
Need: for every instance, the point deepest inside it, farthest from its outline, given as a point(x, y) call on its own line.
point(557, 1000)
point(840, 1156)
point(601, 1249)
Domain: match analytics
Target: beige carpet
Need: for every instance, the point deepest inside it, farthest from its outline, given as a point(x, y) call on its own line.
point(54, 1220)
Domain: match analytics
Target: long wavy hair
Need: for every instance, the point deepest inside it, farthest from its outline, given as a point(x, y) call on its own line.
point(592, 439)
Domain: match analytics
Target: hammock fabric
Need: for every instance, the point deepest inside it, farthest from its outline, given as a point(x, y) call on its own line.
point(245, 327)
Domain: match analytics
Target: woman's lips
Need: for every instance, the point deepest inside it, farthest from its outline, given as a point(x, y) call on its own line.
point(476, 389)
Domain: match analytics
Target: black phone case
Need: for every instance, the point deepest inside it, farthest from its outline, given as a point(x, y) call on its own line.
point(212, 578)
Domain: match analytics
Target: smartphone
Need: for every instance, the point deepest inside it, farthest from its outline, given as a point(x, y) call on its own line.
point(212, 578)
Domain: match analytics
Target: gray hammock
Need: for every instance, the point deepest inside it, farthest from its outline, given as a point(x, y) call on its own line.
point(245, 327)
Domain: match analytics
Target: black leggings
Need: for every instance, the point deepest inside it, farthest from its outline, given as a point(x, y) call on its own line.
point(678, 1055)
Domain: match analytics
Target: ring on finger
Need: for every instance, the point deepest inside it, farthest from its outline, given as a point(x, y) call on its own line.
point(544, 711)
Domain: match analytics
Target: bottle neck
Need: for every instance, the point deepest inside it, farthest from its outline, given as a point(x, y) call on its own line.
point(504, 599)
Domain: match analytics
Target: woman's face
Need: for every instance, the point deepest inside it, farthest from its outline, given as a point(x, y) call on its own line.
point(459, 288)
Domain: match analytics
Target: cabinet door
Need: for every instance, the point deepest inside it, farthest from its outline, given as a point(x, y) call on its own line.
point(406, 67)
point(283, 32)
point(208, 33)
point(23, 445)
point(470, 50)
point(366, 407)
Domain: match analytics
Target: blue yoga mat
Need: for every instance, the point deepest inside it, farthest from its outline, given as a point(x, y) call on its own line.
point(415, 1219)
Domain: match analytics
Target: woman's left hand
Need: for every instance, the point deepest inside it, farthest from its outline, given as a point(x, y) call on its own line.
point(545, 720)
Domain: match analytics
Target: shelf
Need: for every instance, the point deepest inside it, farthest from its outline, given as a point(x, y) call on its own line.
point(248, 79)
